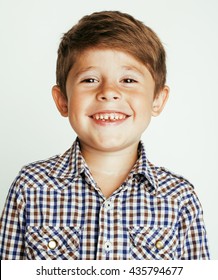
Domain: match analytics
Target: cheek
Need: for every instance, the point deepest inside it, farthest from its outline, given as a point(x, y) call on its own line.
point(78, 107)
point(142, 106)
point(75, 103)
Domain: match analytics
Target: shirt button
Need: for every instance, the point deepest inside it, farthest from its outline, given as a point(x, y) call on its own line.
point(107, 246)
point(159, 244)
point(108, 205)
point(52, 244)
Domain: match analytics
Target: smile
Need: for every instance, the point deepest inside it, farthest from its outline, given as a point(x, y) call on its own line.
point(111, 117)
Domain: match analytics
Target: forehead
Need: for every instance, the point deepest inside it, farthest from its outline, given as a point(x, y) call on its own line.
point(104, 57)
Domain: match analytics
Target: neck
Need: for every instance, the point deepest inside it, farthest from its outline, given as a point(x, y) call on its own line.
point(110, 163)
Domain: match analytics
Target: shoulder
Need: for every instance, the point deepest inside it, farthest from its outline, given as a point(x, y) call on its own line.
point(180, 190)
point(30, 175)
point(36, 174)
point(34, 170)
point(166, 175)
point(40, 166)
point(48, 165)
point(52, 172)
point(174, 185)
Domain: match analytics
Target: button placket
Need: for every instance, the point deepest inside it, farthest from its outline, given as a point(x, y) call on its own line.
point(102, 232)
point(108, 206)
point(109, 229)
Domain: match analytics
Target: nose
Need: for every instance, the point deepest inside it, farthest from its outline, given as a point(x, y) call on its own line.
point(109, 93)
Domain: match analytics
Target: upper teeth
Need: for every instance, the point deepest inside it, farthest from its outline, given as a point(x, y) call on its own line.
point(109, 116)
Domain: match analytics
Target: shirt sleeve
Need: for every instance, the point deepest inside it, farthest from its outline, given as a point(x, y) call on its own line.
point(193, 243)
point(12, 225)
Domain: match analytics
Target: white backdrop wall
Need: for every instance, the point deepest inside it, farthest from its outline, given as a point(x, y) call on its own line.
point(183, 139)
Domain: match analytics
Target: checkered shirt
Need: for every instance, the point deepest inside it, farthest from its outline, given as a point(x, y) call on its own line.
point(55, 210)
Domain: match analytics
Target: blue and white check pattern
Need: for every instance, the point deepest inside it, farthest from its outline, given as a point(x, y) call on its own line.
point(55, 210)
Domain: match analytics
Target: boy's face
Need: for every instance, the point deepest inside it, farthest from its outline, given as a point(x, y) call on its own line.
point(110, 99)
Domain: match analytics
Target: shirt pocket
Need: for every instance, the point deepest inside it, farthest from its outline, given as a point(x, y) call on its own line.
point(152, 243)
point(52, 243)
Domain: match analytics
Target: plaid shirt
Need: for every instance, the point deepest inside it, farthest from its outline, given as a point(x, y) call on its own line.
point(55, 210)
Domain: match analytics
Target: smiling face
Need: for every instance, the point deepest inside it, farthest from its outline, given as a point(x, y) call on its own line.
point(110, 99)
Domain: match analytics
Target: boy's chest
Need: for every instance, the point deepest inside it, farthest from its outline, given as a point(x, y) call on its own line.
point(131, 224)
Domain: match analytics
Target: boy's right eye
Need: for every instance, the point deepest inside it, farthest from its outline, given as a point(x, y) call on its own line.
point(89, 80)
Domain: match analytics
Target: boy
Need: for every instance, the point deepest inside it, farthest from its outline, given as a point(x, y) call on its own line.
point(103, 199)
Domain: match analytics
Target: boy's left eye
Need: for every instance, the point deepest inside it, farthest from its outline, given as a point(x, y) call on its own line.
point(129, 81)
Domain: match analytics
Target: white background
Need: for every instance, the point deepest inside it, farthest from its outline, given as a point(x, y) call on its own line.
point(183, 139)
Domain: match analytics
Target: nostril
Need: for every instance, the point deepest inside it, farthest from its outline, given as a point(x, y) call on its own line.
point(108, 96)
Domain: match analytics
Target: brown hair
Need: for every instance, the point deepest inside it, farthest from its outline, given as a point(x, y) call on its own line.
point(115, 30)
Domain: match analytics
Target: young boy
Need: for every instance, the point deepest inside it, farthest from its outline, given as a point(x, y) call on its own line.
point(103, 199)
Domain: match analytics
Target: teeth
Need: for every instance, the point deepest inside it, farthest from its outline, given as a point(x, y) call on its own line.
point(112, 117)
point(109, 116)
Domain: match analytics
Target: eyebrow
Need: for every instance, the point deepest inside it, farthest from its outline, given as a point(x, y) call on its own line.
point(125, 67)
point(133, 68)
point(84, 70)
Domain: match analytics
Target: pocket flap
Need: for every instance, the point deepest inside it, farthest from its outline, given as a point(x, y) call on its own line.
point(157, 240)
point(55, 241)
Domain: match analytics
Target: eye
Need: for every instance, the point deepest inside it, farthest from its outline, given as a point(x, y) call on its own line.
point(89, 81)
point(129, 81)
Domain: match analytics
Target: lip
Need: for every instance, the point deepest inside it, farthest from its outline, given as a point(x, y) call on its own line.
point(109, 112)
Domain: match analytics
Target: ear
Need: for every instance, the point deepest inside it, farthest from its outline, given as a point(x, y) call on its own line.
point(60, 100)
point(160, 101)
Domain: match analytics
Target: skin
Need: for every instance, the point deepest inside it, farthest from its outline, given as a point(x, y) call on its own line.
point(109, 82)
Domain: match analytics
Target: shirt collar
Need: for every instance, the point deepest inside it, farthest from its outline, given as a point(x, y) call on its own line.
point(72, 164)
point(144, 168)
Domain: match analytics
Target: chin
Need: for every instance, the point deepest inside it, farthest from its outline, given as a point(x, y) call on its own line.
point(107, 146)
point(110, 145)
